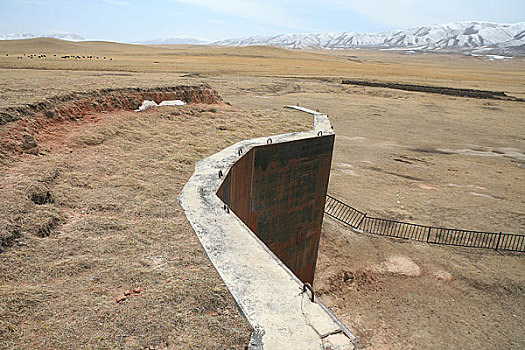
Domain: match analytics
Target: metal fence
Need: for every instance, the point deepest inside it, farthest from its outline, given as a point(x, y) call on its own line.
point(429, 234)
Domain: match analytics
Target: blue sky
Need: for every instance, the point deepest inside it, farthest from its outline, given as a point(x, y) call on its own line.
point(134, 20)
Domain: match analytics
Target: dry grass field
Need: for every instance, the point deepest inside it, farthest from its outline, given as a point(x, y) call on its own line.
point(112, 223)
point(96, 215)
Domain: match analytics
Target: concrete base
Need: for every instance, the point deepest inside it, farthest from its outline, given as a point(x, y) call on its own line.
point(268, 294)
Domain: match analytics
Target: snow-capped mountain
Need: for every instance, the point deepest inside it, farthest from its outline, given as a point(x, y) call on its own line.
point(56, 35)
point(467, 36)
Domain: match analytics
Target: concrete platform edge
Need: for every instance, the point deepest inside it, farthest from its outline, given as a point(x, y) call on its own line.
point(267, 293)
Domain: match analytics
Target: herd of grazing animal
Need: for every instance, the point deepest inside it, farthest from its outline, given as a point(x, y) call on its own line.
point(31, 56)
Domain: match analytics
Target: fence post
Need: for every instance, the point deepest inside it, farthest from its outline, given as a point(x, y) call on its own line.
point(497, 244)
point(428, 236)
point(360, 221)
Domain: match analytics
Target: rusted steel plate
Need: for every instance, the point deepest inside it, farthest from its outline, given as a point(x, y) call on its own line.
point(278, 191)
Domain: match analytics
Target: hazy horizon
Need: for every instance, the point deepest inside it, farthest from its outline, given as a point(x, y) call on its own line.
point(135, 21)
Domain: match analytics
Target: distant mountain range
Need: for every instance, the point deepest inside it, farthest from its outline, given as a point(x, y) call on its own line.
point(172, 41)
point(467, 37)
point(57, 35)
point(475, 37)
point(76, 37)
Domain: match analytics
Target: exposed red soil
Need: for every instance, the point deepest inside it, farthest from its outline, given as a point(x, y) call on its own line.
point(22, 127)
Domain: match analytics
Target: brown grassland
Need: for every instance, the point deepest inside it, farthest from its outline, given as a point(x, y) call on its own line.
point(94, 214)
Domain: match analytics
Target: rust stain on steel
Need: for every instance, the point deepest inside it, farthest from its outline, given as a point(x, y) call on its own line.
point(278, 191)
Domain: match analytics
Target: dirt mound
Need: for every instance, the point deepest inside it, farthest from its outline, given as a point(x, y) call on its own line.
point(19, 124)
point(359, 280)
point(472, 93)
point(371, 278)
point(398, 265)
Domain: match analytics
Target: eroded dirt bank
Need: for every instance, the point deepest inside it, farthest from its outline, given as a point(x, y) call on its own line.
point(18, 125)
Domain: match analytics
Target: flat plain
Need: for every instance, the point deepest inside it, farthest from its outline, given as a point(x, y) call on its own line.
point(424, 158)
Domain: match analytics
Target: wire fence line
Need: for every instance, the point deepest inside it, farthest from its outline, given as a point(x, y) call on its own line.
point(429, 234)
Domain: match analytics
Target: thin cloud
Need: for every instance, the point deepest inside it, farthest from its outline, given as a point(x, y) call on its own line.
point(408, 13)
point(33, 2)
point(261, 11)
point(117, 3)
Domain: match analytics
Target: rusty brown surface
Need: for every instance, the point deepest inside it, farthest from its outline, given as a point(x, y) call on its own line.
point(279, 191)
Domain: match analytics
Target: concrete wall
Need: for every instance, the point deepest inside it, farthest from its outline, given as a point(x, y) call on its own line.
point(268, 293)
point(279, 190)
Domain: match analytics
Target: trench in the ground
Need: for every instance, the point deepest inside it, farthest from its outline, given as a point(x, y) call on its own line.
point(20, 124)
